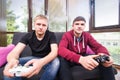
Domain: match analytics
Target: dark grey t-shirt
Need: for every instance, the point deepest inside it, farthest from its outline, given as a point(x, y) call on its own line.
point(40, 48)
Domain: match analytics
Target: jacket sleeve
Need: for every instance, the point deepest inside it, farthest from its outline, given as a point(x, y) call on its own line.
point(96, 46)
point(65, 52)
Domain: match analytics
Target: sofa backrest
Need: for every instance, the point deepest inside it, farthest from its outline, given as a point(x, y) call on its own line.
point(27, 51)
point(16, 38)
point(58, 36)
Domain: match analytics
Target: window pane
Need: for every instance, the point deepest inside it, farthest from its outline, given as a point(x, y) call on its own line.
point(106, 12)
point(111, 41)
point(17, 15)
point(37, 8)
point(9, 38)
point(78, 8)
point(57, 15)
point(2, 15)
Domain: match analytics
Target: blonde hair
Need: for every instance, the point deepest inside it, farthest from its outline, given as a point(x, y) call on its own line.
point(40, 17)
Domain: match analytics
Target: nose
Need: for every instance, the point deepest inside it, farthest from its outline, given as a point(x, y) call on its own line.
point(79, 26)
point(40, 26)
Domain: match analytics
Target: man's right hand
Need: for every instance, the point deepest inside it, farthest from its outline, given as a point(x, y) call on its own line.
point(12, 63)
point(88, 62)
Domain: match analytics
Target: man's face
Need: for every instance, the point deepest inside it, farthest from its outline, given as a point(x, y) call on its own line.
point(78, 27)
point(40, 26)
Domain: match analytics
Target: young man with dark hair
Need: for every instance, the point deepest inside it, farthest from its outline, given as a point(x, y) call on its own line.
point(72, 49)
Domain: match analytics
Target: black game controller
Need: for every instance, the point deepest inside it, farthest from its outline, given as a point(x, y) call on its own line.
point(102, 58)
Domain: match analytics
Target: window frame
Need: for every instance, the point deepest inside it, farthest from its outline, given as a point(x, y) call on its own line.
point(93, 29)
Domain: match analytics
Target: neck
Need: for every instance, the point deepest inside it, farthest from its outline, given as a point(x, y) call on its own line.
point(40, 36)
point(77, 34)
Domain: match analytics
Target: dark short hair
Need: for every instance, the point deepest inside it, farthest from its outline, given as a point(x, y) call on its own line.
point(79, 18)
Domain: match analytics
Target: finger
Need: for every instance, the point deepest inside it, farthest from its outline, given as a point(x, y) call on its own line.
point(93, 56)
point(89, 67)
point(11, 75)
point(6, 73)
point(33, 73)
point(15, 65)
point(107, 65)
point(101, 54)
point(27, 73)
point(94, 63)
point(28, 63)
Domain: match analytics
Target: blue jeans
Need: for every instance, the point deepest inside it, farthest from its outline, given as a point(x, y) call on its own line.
point(50, 70)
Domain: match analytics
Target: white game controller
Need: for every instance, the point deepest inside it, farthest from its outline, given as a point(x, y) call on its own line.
point(17, 71)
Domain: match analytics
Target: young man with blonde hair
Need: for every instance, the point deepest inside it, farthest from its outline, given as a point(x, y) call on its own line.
point(44, 53)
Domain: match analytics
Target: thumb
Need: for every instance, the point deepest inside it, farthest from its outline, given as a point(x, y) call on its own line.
point(94, 56)
point(28, 63)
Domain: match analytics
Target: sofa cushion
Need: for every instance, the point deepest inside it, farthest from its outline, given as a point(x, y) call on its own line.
point(4, 52)
point(89, 50)
point(58, 36)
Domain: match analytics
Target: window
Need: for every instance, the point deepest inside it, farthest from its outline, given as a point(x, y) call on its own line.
point(78, 8)
point(37, 8)
point(57, 15)
point(107, 14)
point(16, 15)
point(13, 18)
point(62, 12)
point(104, 16)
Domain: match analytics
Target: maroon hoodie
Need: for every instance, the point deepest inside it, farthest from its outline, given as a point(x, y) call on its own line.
point(71, 47)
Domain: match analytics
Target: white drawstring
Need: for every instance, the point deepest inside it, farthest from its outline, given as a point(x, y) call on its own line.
point(74, 41)
point(78, 45)
point(78, 48)
point(83, 43)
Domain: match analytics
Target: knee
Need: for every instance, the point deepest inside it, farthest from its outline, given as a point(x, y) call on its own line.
point(56, 63)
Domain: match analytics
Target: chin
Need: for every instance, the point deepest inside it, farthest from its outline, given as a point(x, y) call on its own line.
point(40, 33)
point(79, 32)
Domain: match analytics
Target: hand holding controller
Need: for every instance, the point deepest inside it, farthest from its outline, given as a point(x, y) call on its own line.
point(102, 58)
point(17, 71)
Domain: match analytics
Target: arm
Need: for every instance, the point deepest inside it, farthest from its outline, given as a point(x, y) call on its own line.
point(96, 46)
point(14, 54)
point(65, 52)
point(12, 59)
point(99, 49)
